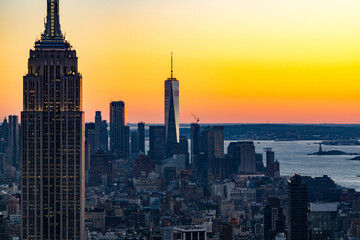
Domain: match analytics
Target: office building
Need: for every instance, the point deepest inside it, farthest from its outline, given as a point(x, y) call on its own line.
point(90, 137)
point(12, 150)
point(157, 143)
point(172, 125)
point(270, 160)
point(243, 157)
point(134, 143)
point(274, 220)
point(195, 140)
point(324, 221)
point(141, 137)
point(52, 128)
point(119, 132)
point(297, 208)
point(101, 133)
point(212, 142)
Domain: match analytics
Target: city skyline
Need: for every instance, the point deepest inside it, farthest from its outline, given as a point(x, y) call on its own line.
point(283, 64)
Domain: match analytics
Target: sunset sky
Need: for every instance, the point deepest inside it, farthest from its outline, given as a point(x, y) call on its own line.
point(238, 61)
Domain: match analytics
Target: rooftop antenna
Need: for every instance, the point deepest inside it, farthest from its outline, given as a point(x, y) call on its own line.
point(172, 66)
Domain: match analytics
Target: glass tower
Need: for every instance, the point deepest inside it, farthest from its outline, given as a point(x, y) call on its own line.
point(172, 111)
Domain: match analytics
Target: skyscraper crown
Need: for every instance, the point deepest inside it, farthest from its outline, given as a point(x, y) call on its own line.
point(52, 38)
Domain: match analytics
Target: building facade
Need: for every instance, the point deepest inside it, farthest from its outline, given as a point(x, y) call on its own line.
point(52, 127)
point(119, 132)
point(297, 208)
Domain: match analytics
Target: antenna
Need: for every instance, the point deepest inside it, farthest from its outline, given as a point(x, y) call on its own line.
point(172, 65)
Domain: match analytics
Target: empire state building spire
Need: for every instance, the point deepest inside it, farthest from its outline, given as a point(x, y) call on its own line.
point(52, 38)
point(52, 26)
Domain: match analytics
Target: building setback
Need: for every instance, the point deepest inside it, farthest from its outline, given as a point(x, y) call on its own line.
point(52, 138)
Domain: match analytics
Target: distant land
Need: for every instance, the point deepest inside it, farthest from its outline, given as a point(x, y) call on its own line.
point(281, 132)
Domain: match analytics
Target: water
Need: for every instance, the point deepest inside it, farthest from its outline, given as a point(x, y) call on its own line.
point(293, 158)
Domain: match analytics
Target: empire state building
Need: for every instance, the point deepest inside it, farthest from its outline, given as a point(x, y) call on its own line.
point(52, 138)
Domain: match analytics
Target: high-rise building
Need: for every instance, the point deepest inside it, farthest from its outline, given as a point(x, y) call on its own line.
point(195, 140)
point(212, 142)
point(172, 112)
point(141, 137)
point(297, 208)
point(101, 133)
point(13, 142)
point(324, 221)
point(157, 144)
point(270, 160)
point(274, 220)
point(134, 142)
point(52, 128)
point(243, 156)
point(119, 132)
point(90, 137)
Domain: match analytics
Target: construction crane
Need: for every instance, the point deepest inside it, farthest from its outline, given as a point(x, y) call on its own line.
point(196, 118)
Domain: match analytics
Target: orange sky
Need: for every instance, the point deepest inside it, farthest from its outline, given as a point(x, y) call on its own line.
point(240, 61)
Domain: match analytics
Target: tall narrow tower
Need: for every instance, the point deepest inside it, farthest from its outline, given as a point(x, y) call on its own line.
point(172, 112)
point(52, 138)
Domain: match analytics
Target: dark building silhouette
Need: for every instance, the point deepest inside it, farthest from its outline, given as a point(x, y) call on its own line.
point(172, 125)
point(212, 142)
point(226, 232)
point(4, 132)
point(259, 163)
point(2, 228)
point(272, 165)
point(274, 220)
point(101, 133)
point(184, 149)
point(243, 156)
point(12, 150)
point(90, 137)
point(119, 132)
point(141, 137)
point(101, 166)
point(270, 160)
point(143, 164)
point(134, 142)
point(195, 140)
point(52, 138)
point(157, 144)
point(297, 208)
point(322, 189)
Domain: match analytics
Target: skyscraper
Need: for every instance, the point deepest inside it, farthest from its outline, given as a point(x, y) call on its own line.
point(141, 137)
point(52, 129)
point(195, 140)
point(101, 133)
point(274, 220)
point(243, 156)
point(119, 133)
point(297, 208)
point(13, 142)
point(270, 161)
point(172, 112)
point(157, 145)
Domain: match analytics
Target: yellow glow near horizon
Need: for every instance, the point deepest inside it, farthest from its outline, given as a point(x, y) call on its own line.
point(236, 60)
